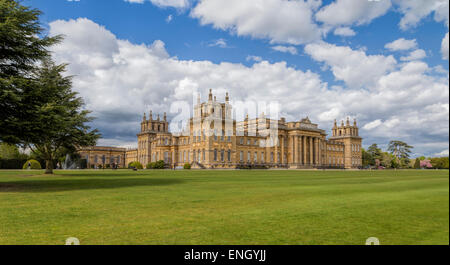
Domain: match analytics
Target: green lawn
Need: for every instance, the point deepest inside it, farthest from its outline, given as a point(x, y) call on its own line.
point(224, 207)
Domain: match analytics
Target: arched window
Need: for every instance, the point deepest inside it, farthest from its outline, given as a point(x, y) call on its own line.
point(222, 155)
point(215, 154)
point(229, 155)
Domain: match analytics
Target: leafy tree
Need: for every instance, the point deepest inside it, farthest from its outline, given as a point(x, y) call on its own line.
point(400, 150)
point(56, 116)
point(374, 152)
point(417, 163)
point(20, 50)
point(367, 159)
point(9, 151)
point(440, 162)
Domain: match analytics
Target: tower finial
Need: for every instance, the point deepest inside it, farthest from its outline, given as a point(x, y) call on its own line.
point(210, 96)
point(227, 97)
point(165, 116)
point(354, 122)
point(151, 115)
point(348, 121)
point(145, 117)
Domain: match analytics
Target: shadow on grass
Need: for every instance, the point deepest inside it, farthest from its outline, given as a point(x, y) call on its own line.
point(81, 184)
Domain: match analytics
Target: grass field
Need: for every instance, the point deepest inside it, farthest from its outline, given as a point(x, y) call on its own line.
point(224, 207)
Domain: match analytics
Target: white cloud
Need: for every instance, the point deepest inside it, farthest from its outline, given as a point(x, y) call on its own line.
point(443, 153)
point(169, 18)
point(253, 58)
point(221, 43)
point(355, 68)
point(165, 3)
point(414, 55)
point(444, 47)
point(415, 10)
point(401, 45)
point(372, 125)
point(344, 31)
point(120, 81)
point(349, 12)
point(277, 20)
point(287, 49)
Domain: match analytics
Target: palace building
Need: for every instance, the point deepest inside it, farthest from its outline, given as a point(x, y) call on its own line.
point(214, 139)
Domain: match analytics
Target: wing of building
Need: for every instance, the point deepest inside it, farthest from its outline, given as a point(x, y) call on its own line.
point(214, 139)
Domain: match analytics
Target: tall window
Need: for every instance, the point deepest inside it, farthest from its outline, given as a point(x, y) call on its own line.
point(222, 155)
point(215, 154)
point(262, 157)
point(241, 156)
point(204, 158)
point(241, 141)
point(249, 156)
point(229, 155)
point(255, 158)
point(271, 157)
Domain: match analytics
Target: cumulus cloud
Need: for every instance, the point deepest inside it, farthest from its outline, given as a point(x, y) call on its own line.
point(344, 31)
point(444, 47)
point(415, 10)
point(120, 81)
point(401, 45)
point(354, 67)
point(349, 12)
point(414, 55)
point(291, 23)
point(286, 49)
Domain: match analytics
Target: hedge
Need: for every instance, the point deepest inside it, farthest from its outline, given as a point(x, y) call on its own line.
point(12, 163)
point(32, 164)
point(136, 165)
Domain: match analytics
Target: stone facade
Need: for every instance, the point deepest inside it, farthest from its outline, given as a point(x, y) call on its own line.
point(213, 140)
point(101, 156)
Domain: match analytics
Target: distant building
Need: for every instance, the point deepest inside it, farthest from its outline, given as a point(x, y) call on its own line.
point(251, 142)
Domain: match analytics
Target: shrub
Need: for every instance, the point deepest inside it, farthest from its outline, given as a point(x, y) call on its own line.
point(12, 163)
point(107, 166)
point(150, 165)
point(136, 165)
point(160, 164)
point(34, 164)
point(187, 166)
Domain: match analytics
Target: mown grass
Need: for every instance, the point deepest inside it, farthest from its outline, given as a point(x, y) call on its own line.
point(224, 207)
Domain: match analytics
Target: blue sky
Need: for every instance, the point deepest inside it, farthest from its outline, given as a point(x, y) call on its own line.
point(296, 59)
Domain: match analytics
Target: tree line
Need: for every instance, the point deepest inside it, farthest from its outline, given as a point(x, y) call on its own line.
point(397, 155)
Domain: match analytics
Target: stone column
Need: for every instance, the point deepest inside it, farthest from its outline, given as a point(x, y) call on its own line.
point(311, 151)
point(295, 149)
point(305, 160)
point(316, 146)
point(320, 151)
point(300, 152)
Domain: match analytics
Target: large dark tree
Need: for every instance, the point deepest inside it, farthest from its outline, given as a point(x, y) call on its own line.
point(400, 150)
point(57, 116)
point(21, 48)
